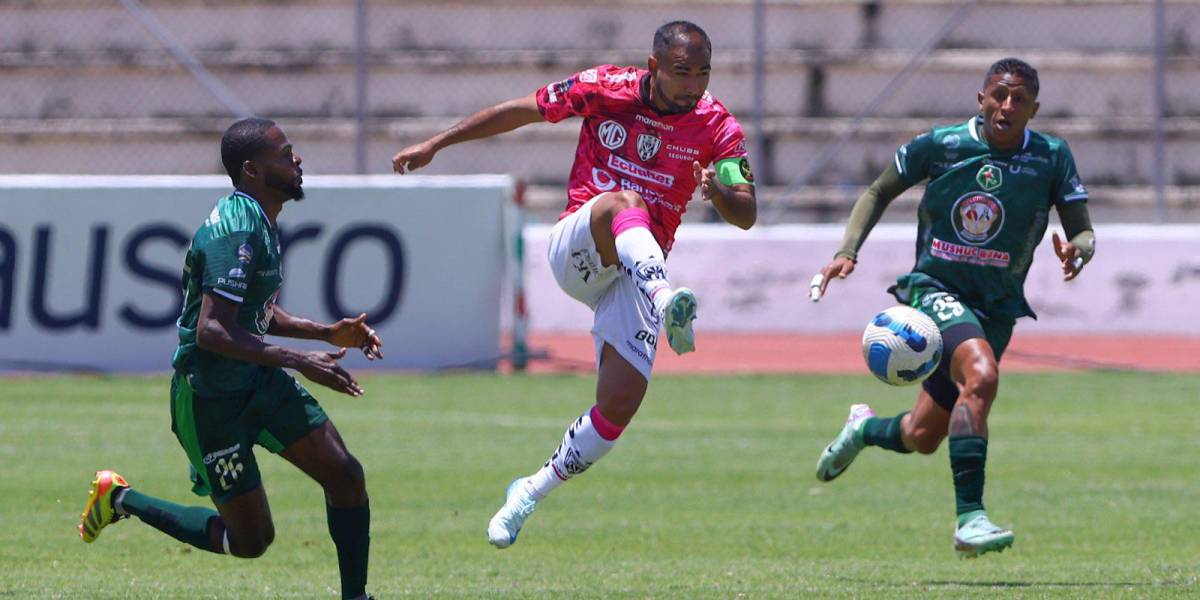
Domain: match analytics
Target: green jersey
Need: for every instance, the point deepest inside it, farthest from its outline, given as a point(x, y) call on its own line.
point(984, 211)
point(235, 255)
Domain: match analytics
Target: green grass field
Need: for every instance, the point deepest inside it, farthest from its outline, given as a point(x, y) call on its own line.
point(710, 494)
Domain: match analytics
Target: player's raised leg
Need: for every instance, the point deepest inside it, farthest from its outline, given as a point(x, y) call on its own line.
point(322, 455)
point(621, 231)
point(619, 392)
point(112, 499)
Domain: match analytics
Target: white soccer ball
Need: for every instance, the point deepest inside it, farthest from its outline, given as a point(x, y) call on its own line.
point(902, 346)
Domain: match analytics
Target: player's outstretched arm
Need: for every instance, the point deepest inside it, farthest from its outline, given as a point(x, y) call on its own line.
point(346, 333)
point(866, 213)
point(490, 121)
point(217, 331)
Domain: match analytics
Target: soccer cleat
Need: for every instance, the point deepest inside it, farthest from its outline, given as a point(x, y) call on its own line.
point(518, 505)
point(841, 451)
point(681, 311)
point(99, 512)
point(980, 536)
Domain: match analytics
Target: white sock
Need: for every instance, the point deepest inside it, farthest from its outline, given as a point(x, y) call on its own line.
point(225, 543)
point(581, 447)
point(643, 260)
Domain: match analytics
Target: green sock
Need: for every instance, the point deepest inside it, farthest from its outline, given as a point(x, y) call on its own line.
point(968, 456)
point(350, 529)
point(884, 433)
point(188, 524)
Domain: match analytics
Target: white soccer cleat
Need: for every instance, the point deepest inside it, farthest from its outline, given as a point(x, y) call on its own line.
point(681, 311)
point(518, 505)
point(980, 536)
point(841, 451)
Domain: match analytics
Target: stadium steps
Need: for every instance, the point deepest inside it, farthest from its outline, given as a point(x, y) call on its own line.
point(320, 82)
point(1109, 151)
point(562, 24)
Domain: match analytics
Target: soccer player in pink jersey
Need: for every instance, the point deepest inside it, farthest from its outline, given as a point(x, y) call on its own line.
point(647, 139)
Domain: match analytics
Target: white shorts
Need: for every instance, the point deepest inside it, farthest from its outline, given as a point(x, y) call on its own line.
point(624, 317)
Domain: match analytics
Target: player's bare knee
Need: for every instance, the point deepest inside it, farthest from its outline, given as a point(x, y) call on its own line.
point(353, 475)
point(252, 545)
point(982, 381)
point(346, 485)
point(629, 199)
point(620, 408)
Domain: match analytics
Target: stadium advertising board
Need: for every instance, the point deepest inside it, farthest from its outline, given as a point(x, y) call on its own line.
point(1145, 280)
point(90, 267)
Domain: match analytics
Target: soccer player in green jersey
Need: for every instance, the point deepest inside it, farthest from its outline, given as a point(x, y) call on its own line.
point(992, 183)
point(230, 391)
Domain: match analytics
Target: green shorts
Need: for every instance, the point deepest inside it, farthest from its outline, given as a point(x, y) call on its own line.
point(957, 323)
point(218, 433)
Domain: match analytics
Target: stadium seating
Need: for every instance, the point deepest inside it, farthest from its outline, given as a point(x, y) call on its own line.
point(88, 89)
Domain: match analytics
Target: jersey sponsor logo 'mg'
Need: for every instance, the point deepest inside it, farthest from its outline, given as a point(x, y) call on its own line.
point(977, 217)
point(989, 177)
point(648, 145)
point(611, 134)
point(631, 169)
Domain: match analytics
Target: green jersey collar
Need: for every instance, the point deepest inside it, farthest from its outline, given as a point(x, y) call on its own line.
point(263, 214)
point(973, 127)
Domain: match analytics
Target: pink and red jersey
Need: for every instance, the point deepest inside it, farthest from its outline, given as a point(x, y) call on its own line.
point(624, 144)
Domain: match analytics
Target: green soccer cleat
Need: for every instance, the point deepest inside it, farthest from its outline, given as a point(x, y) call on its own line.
point(838, 455)
point(978, 535)
point(681, 311)
point(519, 503)
point(99, 512)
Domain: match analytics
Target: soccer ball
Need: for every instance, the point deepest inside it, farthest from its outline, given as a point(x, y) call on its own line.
point(902, 346)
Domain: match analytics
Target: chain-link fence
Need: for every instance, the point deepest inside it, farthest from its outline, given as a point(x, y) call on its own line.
point(128, 87)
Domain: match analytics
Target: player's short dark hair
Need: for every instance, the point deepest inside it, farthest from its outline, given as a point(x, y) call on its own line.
point(678, 32)
point(1014, 66)
point(241, 142)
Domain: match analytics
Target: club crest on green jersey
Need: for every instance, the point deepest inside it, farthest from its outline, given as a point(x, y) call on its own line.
point(245, 253)
point(989, 177)
point(977, 217)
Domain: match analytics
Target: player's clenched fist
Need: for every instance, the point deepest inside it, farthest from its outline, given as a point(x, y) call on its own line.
point(413, 157)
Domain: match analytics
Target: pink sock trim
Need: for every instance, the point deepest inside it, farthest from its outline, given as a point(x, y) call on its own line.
point(630, 218)
point(603, 426)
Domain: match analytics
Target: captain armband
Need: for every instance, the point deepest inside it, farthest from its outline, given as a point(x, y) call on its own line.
point(732, 171)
